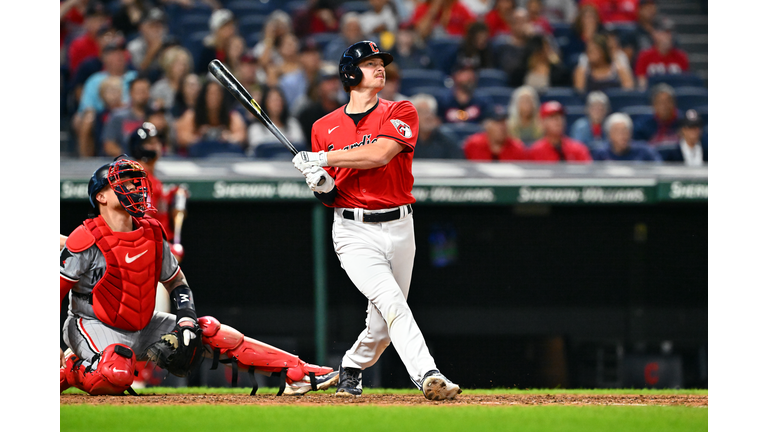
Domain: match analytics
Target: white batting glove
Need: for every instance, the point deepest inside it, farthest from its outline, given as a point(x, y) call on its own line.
point(313, 176)
point(304, 160)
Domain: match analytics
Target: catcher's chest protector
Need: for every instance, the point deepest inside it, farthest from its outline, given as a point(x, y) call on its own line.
point(125, 296)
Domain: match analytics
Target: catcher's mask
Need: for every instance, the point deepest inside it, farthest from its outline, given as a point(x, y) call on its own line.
point(129, 181)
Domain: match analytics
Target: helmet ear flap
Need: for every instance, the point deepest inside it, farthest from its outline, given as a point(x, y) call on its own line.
point(352, 75)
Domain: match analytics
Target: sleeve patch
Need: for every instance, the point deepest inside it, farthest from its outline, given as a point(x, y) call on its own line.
point(402, 128)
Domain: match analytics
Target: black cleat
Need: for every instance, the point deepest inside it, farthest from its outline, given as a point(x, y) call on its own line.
point(350, 382)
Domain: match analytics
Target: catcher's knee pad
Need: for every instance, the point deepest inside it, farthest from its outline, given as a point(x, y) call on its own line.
point(249, 352)
point(110, 372)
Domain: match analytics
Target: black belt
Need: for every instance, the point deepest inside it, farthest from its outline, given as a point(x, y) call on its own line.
point(377, 217)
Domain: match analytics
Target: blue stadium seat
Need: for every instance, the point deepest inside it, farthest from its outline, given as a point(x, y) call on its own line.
point(573, 113)
point(251, 39)
point(322, 39)
point(621, 98)
point(276, 151)
point(639, 113)
point(243, 8)
point(499, 95)
point(294, 6)
point(442, 51)
point(676, 80)
point(560, 29)
point(194, 43)
point(251, 24)
point(189, 24)
point(491, 78)
point(209, 148)
point(412, 78)
point(439, 92)
point(564, 95)
point(463, 130)
point(691, 97)
point(354, 6)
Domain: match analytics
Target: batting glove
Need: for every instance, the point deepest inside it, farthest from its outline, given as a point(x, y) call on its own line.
point(313, 176)
point(304, 160)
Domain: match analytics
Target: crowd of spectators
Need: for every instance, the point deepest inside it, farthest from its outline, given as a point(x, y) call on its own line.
point(531, 80)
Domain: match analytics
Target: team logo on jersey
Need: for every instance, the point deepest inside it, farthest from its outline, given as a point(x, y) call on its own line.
point(402, 128)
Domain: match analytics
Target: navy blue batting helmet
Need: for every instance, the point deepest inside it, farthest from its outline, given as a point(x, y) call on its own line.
point(97, 182)
point(349, 72)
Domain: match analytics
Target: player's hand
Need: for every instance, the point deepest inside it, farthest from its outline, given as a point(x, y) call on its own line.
point(314, 175)
point(304, 160)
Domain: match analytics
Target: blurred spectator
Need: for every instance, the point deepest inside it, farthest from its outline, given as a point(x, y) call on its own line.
point(441, 17)
point(86, 45)
point(273, 101)
point(126, 20)
point(290, 74)
point(541, 67)
point(176, 63)
point(91, 123)
point(278, 25)
point(391, 90)
point(434, 141)
point(524, 122)
point(351, 32)
point(647, 21)
point(233, 51)
point(584, 28)
point(556, 146)
point(310, 60)
point(408, 51)
point(589, 129)
point(499, 18)
point(247, 72)
point(662, 127)
point(615, 10)
point(146, 48)
point(379, 18)
point(324, 100)
point(122, 122)
point(212, 120)
point(539, 22)
point(511, 54)
point(475, 50)
point(690, 150)
point(462, 104)
point(71, 18)
point(187, 95)
point(145, 145)
point(222, 29)
point(114, 59)
point(317, 17)
point(561, 11)
point(495, 143)
point(158, 115)
point(598, 71)
point(618, 45)
point(105, 35)
point(619, 129)
point(662, 58)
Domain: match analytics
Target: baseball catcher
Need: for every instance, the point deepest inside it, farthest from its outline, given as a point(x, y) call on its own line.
point(110, 266)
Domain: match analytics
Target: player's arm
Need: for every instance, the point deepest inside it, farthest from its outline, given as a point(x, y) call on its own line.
point(369, 156)
point(181, 294)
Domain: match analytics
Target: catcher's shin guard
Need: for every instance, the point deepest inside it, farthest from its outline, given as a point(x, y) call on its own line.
point(111, 371)
point(253, 355)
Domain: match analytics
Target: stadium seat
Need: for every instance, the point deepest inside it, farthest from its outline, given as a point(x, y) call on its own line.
point(491, 78)
point(560, 29)
point(621, 98)
point(354, 6)
point(322, 39)
point(412, 78)
point(676, 80)
point(192, 24)
point(275, 151)
point(463, 130)
point(251, 24)
point(691, 97)
point(242, 8)
point(442, 51)
point(209, 148)
point(194, 43)
point(564, 95)
point(439, 92)
point(573, 113)
point(499, 95)
point(639, 113)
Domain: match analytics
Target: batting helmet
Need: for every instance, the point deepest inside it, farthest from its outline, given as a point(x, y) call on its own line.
point(128, 180)
point(349, 72)
point(138, 137)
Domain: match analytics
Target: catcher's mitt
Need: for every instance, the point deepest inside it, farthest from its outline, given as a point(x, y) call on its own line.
point(179, 351)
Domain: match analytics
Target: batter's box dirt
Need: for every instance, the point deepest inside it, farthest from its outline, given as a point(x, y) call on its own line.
point(393, 399)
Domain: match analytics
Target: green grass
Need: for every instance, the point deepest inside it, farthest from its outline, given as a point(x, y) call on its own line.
point(366, 418)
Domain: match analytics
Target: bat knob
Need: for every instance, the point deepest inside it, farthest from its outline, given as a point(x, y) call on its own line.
point(321, 182)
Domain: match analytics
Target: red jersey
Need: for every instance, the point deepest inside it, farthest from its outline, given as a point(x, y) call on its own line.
point(460, 18)
point(652, 62)
point(615, 10)
point(496, 24)
point(478, 149)
point(570, 150)
point(161, 202)
point(377, 188)
point(81, 49)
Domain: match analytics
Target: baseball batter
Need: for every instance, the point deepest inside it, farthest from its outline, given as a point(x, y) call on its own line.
point(360, 165)
point(110, 267)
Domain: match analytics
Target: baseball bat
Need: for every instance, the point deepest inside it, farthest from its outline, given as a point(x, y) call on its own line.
point(225, 77)
point(180, 205)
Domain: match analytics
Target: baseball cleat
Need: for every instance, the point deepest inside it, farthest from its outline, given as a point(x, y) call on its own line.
point(324, 382)
point(437, 387)
point(350, 382)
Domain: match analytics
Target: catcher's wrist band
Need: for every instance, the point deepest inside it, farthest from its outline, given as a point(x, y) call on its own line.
point(184, 302)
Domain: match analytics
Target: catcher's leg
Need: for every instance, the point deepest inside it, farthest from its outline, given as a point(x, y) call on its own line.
point(109, 372)
point(253, 355)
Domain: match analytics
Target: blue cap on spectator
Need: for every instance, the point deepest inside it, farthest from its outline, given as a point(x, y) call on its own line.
point(497, 112)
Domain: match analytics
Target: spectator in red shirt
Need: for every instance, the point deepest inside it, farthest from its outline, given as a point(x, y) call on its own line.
point(495, 143)
point(539, 22)
point(663, 58)
point(615, 10)
point(441, 17)
point(499, 18)
point(87, 46)
point(317, 17)
point(556, 146)
point(70, 18)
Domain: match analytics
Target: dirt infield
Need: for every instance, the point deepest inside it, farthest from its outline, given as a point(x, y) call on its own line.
point(391, 399)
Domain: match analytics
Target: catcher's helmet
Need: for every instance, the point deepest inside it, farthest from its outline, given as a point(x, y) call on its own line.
point(349, 72)
point(138, 137)
point(120, 175)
